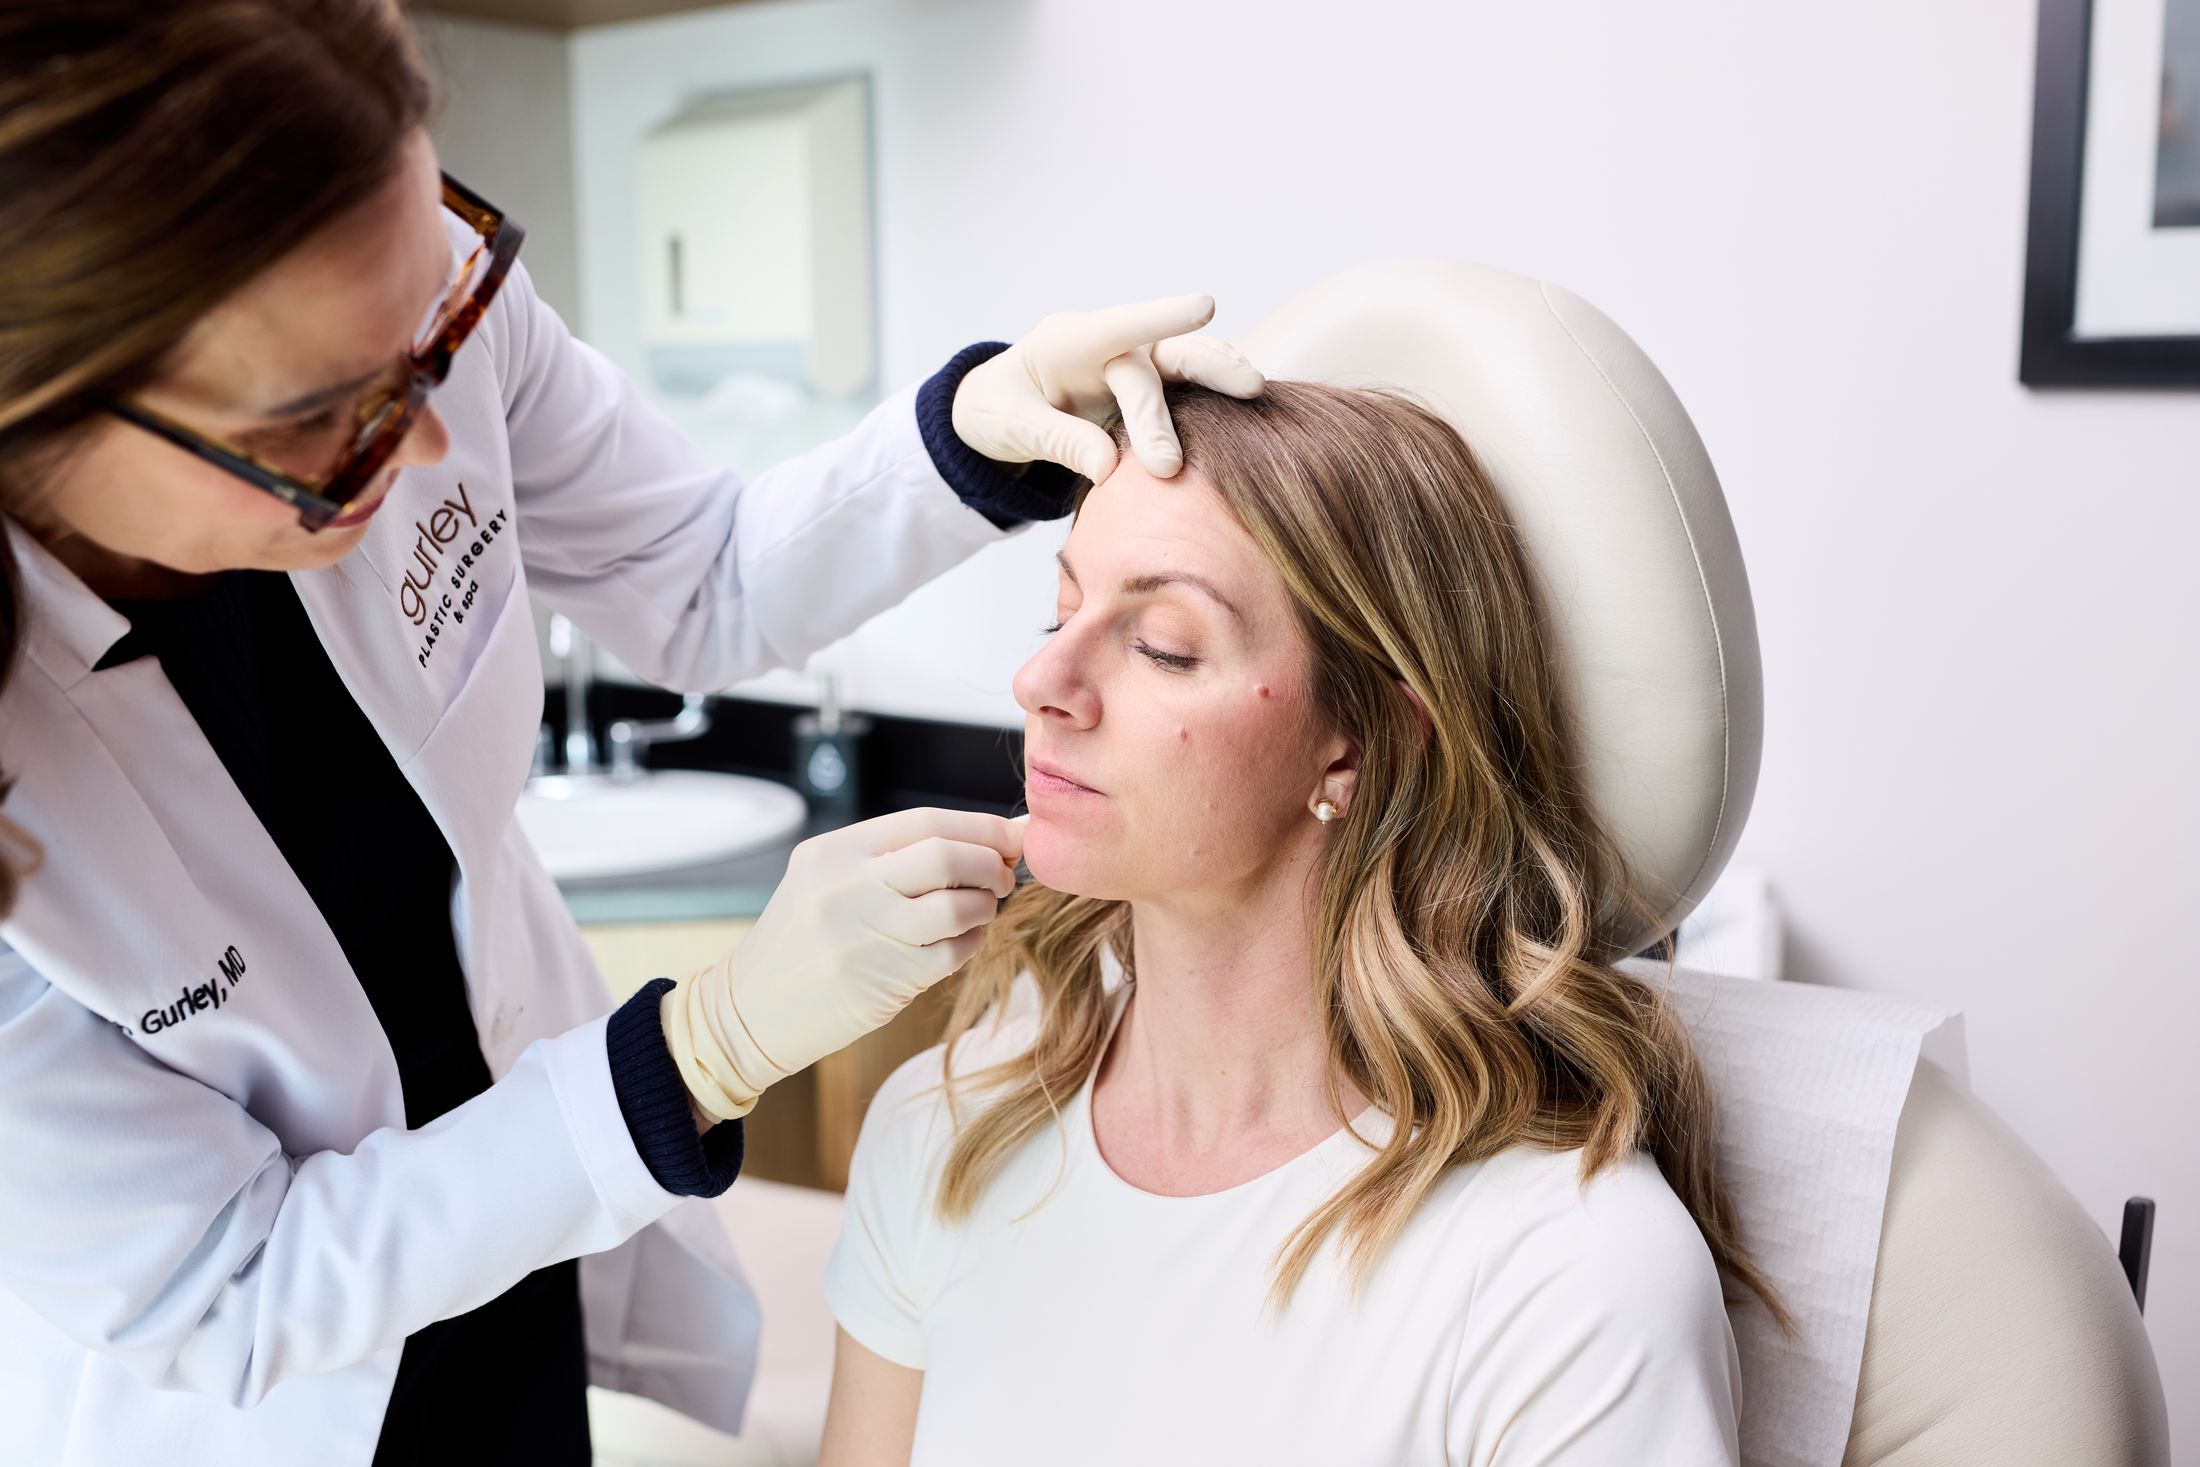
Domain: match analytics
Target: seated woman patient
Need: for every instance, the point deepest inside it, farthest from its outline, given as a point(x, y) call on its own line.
point(1291, 1114)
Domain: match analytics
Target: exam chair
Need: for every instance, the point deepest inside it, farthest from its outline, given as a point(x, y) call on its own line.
point(2002, 1331)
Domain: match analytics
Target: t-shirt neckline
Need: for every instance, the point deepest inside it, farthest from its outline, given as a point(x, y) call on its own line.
point(1335, 1144)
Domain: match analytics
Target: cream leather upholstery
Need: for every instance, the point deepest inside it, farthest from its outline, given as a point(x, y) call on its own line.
point(2001, 1331)
point(1611, 490)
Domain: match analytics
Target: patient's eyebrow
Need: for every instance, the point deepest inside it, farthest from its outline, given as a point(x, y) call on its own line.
point(1154, 580)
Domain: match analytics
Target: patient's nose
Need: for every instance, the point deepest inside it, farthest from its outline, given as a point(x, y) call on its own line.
point(1052, 684)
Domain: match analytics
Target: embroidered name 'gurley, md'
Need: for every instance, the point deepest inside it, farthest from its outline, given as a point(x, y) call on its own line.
point(419, 598)
point(190, 1000)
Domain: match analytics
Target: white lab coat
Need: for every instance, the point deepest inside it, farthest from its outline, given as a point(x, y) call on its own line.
point(215, 1230)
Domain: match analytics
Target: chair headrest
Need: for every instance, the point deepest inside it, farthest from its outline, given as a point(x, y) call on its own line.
point(1611, 491)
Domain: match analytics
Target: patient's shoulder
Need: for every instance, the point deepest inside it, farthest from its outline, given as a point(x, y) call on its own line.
point(909, 1128)
point(1595, 1323)
point(1630, 1195)
point(1619, 1244)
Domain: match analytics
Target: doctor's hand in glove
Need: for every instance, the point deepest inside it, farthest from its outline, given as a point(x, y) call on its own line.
point(1048, 396)
point(866, 918)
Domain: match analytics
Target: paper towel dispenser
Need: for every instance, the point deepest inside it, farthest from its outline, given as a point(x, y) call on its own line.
point(754, 212)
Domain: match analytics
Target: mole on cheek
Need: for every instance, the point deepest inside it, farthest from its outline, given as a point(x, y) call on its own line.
point(1261, 689)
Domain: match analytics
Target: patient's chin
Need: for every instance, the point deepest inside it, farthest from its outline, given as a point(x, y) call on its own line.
point(1077, 865)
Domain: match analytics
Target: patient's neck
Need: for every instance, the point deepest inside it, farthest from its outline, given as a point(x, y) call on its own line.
point(1216, 1073)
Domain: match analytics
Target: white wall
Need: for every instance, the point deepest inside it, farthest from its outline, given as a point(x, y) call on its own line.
point(1978, 605)
point(506, 131)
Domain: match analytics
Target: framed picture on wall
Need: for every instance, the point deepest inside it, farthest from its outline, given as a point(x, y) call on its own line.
point(2112, 256)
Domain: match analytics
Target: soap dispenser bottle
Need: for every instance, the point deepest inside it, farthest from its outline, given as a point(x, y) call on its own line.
point(828, 756)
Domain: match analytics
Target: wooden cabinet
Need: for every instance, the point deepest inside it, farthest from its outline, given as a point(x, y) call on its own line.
point(804, 1129)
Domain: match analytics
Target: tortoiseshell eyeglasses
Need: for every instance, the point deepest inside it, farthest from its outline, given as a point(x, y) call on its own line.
point(330, 459)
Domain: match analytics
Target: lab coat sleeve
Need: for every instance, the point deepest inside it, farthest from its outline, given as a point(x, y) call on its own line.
point(693, 576)
point(154, 1220)
point(1598, 1337)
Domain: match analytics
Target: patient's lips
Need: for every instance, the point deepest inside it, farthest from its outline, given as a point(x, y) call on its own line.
point(1054, 780)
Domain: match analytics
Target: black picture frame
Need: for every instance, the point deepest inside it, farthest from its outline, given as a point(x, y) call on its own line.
point(2051, 354)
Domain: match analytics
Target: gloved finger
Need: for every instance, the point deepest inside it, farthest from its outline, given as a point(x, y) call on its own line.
point(950, 954)
point(998, 424)
point(1108, 333)
point(1209, 362)
point(938, 862)
point(1066, 439)
point(884, 833)
point(921, 921)
point(1137, 388)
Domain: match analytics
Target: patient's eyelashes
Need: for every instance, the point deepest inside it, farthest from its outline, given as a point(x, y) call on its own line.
point(1168, 659)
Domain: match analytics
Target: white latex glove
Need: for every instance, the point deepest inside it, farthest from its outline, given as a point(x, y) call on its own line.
point(866, 918)
point(1047, 396)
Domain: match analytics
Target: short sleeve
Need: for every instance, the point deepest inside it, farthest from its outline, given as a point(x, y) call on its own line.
point(874, 1282)
point(1599, 1336)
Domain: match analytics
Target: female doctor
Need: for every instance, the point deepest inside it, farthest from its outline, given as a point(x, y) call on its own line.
point(308, 1105)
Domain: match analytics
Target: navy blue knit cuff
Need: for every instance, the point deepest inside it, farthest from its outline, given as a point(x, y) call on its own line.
point(654, 1100)
point(1041, 492)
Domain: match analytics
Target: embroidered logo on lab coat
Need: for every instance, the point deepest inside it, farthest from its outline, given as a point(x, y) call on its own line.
point(440, 585)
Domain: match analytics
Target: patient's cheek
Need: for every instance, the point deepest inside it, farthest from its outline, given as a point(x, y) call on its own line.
point(1220, 767)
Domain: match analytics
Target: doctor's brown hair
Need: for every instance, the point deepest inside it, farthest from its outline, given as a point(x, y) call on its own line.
point(1468, 893)
point(155, 155)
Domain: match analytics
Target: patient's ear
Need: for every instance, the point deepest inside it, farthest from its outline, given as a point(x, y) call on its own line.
point(1338, 782)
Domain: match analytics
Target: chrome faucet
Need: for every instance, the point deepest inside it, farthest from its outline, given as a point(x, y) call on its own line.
point(627, 737)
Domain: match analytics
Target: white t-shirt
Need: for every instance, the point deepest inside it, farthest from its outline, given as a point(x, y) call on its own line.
point(1519, 1320)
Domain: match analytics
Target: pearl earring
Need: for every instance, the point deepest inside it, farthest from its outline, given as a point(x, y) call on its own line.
point(1325, 810)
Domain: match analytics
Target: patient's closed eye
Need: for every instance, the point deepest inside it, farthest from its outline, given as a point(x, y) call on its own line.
point(1174, 660)
point(1168, 659)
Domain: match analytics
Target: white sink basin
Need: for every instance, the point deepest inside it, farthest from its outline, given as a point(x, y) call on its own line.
point(594, 826)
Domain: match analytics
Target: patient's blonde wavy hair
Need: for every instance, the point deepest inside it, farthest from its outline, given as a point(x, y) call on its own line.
point(1456, 932)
